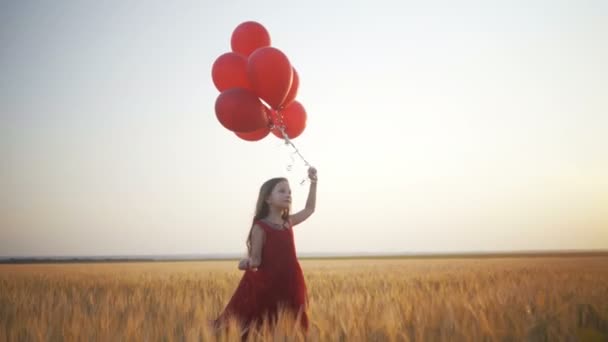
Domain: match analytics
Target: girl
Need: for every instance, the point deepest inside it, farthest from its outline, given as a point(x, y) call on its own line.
point(273, 280)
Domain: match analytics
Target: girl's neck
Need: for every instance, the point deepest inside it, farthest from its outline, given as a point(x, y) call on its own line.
point(275, 215)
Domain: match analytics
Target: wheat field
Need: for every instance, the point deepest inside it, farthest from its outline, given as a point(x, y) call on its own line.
point(494, 299)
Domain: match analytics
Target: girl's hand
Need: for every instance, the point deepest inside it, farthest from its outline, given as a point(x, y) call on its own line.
point(244, 264)
point(312, 174)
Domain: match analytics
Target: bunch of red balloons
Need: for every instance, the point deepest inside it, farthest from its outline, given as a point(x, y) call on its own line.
point(254, 72)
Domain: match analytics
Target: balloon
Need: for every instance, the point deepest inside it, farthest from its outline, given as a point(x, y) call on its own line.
point(248, 37)
point(294, 119)
point(255, 135)
point(240, 110)
point(270, 74)
point(230, 71)
point(293, 91)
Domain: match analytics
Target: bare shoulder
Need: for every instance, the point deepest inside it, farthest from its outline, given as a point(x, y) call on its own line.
point(257, 230)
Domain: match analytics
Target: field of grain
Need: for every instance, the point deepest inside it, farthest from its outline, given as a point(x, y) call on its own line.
point(496, 299)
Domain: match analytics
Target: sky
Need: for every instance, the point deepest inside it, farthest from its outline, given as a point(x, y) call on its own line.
point(435, 126)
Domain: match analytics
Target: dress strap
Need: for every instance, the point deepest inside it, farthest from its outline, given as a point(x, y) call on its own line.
point(262, 224)
point(267, 226)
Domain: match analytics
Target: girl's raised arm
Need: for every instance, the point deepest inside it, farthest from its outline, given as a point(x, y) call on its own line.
point(311, 202)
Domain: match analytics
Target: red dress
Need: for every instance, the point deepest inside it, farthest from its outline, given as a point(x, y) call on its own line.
point(277, 283)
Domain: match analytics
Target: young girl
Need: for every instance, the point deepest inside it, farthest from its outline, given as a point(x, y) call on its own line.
point(273, 281)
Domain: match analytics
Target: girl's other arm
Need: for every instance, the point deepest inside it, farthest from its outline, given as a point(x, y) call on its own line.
point(257, 242)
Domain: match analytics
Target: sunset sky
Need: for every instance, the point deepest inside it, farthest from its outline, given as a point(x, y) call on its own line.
point(436, 126)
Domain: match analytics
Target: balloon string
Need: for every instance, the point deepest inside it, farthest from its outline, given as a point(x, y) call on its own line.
point(296, 151)
point(281, 127)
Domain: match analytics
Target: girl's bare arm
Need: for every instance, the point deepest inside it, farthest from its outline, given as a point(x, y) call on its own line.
point(257, 242)
point(311, 202)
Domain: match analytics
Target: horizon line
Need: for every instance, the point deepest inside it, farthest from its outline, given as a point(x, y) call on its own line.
point(230, 256)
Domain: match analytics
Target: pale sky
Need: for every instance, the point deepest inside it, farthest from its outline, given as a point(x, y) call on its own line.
point(435, 126)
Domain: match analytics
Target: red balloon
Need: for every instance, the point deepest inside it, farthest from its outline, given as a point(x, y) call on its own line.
point(293, 91)
point(230, 71)
point(248, 37)
point(240, 110)
point(270, 74)
point(255, 135)
point(294, 119)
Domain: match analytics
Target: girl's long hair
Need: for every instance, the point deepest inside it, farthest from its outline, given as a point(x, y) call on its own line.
point(262, 209)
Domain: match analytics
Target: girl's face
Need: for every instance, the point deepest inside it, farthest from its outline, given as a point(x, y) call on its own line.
point(280, 197)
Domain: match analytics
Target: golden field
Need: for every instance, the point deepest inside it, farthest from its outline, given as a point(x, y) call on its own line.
point(459, 299)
